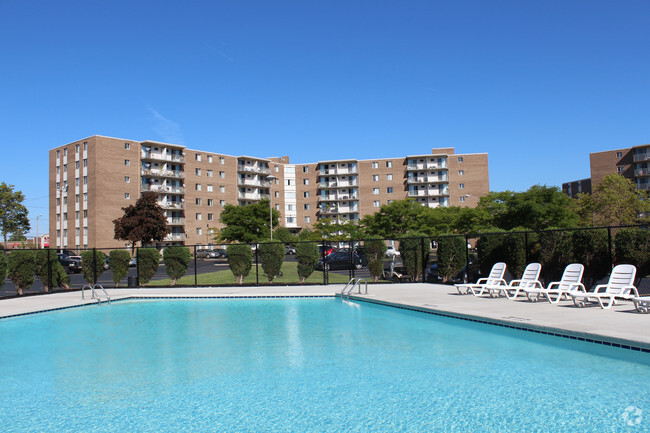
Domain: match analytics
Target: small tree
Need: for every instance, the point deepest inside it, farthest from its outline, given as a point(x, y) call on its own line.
point(47, 263)
point(633, 247)
point(414, 249)
point(148, 261)
point(118, 263)
point(307, 256)
point(271, 254)
point(375, 249)
point(13, 214)
point(143, 222)
point(93, 266)
point(21, 269)
point(451, 256)
point(616, 201)
point(176, 259)
point(240, 260)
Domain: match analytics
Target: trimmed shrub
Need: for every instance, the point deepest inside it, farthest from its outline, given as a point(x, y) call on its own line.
point(554, 251)
point(307, 256)
point(176, 259)
point(47, 261)
point(633, 247)
point(590, 249)
point(21, 269)
point(240, 260)
point(118, 263)
point(507, 247)
point(3, 267)
point(148, 261)
point(92, 268)
point(414, 250)
point(271, 254)
point(375, 249)
point(452, 253)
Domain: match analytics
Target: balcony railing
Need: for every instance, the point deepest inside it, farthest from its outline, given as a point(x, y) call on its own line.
point(157, 156)
point(175, 236)
point(640, 157)
point(426, 166)
point(337, 184)
point(172, 205)
point(250, 182)
point(163, 189)
point(163, 173)
point(436, 179)
point(429, 192)
point(252, 169)
point(175, 221)
point(338, 197)
point(252, 196)
point(641, 172)
point(338, 171)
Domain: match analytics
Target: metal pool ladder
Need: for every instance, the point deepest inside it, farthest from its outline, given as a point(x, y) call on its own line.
point(94, 294)
point(354, 282)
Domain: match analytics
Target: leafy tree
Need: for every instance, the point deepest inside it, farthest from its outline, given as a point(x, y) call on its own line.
point(143, 222)
point(271, 254)
point(394, 219)
point(283, 235)
point(633, 247)
point(333, 230)
point(47, 263)
point(307, 256)
point(118, 263)
point(248, 223)
point(13, 214)
point(240, 260)
point(414, 250)
point(17, 237)
point(502, 247)
point(554, 251)
point(583, 205)
point(92, 266)
point(617, 202)
point(176, 259)
point(148, 262)
point(452, 252)
point(375, 249)
point(590, 248)
point(21, 269)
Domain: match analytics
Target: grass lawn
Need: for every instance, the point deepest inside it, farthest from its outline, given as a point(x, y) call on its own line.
point(219, 278)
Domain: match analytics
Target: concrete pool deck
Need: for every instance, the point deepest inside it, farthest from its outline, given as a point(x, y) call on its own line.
point(620, 326)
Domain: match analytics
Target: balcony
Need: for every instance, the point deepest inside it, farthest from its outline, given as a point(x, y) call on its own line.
point(433, 192)
point(338, 171)
point(172, 205)
point(163, 173)
point(175, 221)
point(338, 184)
point(175, 237)
point(426, 166)
point(432, 179)
point(252, 196)
point(338, 197)
point(163, 189)
point(252, 169)
point(158, 156)
point(640, 172)
point(640, 157)
point(252, 182)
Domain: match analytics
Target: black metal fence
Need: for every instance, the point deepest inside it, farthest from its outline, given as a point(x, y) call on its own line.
point(438, 259)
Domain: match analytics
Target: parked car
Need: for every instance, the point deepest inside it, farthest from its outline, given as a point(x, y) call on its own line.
point(71, 264)
point(288, 249)
point(69, 253)
point(391, 251)
point(207, 254)
point(325, 251)
point(341, 260)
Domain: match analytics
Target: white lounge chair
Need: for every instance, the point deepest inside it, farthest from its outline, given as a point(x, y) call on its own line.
point(494, 277)
point(642, 304)
point(570, 282)
point(620, 285)
point(530, 278)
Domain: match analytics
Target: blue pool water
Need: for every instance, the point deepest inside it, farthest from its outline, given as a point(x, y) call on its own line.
point(305, 365)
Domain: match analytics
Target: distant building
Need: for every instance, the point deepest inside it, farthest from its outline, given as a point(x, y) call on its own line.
point(92, 179)
point(632, 163)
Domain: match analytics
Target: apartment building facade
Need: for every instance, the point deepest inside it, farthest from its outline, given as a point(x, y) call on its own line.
point(632, 163)
point(92, 179)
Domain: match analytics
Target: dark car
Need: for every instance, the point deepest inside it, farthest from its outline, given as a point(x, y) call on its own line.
point(71, 264)
point(342, 260)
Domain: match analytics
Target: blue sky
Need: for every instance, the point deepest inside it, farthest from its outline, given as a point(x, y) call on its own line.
point(536, 85)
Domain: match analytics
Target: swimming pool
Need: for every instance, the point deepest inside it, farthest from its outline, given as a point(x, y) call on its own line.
point(305, 365)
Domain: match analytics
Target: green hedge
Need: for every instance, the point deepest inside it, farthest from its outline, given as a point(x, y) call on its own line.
point(271, 255)
point(414, 250)
point(148, 261)
point(118, 263)
point(307, 256)
point(632, 247)
point(176, 259)
point(21, 269)
point(240, 260)
point(46, 262)
point(452, 252)
point(375, 249)
point(93, 268)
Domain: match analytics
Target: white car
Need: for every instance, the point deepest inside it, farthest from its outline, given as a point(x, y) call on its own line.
point(391, 251)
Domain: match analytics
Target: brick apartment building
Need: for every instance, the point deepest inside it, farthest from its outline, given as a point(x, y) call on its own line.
point(632, 163)
point(92, 179)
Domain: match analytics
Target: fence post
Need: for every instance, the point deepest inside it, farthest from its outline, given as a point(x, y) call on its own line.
point(424, 262)
point(257, 266)
point(466, 276)
point(49, 271)
point(351, 260)
point(526, 246)
point(196, 281)
point(609, 247)
point(137, 266)
point(94, 266)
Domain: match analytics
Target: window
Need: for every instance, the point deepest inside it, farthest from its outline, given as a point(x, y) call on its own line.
point(290, 207)
point(197, 157)
point(375, 203)
point(58, 154)
point(277, 168)
point(306, 206)
point(210, 202)
point(210, 217)
point(375, 190)
point(291, 182)
point(199, 217)
point(85, 163)
point(127, 146)
point(85, 146)
point(389, 177)
point(291, 220)
point(461, 186)
point(222, 189)
point(76, 181)
point(76, 198)
point(222, 203)
point(210, 159)
point(76, 164)
point(305, 169)
point(619, 154)
point(126, 162)
point(76, 215)
point(65, 167)
point(389, 190)
point(85, 196)
point(619, 169)
point(85, 214)
point(209, 173)
point(210, 189)
point(127, 179)
point(222, 174)
point(306, 194)
point(375, 165)
point(127, 195)
point(199, 231)
point(307, 219)
point(222, 161)
point(375, 178)
point(305, 181)
point(197, 201)
point(389, 164)
point(461, 172)
point(65, 152)
point(462, 199)
point(58, 170)
point(198, 187)
point(277, 194)
point(460, 159)
point(197, 171)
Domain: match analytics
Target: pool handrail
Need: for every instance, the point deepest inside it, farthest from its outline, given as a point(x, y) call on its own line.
point(94, 295)
point(356, 282)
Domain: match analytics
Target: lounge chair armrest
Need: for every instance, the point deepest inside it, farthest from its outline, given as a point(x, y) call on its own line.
point(600, 286)
point(481, 281)
point(579, 286)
